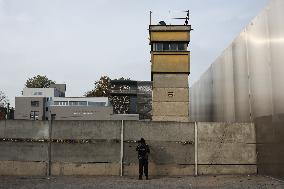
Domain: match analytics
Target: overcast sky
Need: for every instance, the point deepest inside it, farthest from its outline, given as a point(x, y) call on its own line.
point(77, 41)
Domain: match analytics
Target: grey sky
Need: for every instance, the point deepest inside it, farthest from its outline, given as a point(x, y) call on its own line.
point(77, 41)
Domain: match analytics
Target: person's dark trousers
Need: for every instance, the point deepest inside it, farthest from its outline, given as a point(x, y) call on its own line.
point(143, 165)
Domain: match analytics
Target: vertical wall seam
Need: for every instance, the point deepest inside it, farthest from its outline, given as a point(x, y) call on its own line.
point(121, 147)
point(49, 147)
point(196, 148)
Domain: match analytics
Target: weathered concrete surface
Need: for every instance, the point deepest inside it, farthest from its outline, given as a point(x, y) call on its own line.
point(162, 153)
point(178, 95)
point(125, 117)
point(226, 169)
point(218, 153)
point(19, 168)
point(170, 81)
point(270, 145)
point(223, 148)
point(178, 109)
point(2, 128)
point(226, 132)
point(158, 131)
point(160, 169)
point(24, 129)
point(226, 147)
point(171, 146)
point(85, 169)
point(98, 152)
point(171, 118)
point(201, 182)
point(23, 151)
point(105, 130)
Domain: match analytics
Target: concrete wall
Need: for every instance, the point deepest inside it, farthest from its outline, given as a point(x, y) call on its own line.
point(93, 147)
point(171, 147)
point(226, 148)
point(170, 97)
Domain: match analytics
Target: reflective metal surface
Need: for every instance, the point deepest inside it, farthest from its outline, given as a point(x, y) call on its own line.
point(246, 84)
point(246, 80)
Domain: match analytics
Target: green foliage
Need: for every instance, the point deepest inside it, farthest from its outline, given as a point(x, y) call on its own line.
point(39, 81)
point(102, 88)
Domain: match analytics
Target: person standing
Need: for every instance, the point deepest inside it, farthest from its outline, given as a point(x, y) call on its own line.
point(143, 151)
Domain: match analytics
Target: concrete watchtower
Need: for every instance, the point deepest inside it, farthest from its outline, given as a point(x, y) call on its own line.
point(170, 67)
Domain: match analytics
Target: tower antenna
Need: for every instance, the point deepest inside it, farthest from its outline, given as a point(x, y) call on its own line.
point(185, 18)
point(150, 18)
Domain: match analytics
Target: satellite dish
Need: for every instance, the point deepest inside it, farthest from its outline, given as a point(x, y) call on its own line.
point(163, 23)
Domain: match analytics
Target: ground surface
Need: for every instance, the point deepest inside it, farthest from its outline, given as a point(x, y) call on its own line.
point(204, 182)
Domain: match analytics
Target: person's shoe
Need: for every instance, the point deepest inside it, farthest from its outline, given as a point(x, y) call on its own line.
point(140, 177)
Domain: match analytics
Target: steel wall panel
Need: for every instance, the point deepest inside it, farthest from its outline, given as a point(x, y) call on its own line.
point(259, 66)
point(276, 33)
point(228, 86)
point(246, 77)
point(241, 82)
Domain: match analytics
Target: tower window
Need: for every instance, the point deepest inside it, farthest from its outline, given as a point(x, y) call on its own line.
point(175, 46)
point(166, 46)
point(182, 47)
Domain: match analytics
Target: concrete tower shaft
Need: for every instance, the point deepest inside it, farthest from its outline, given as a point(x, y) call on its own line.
point(170, 67)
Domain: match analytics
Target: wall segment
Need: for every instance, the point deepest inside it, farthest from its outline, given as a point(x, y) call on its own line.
point(94, 148)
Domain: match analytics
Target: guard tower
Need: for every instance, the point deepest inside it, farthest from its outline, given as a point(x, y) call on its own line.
point(170, 68)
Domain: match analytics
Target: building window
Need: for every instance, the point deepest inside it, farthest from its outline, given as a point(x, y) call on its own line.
point(77, 103)
point(82, 103)
point(61, 103)
point(35, 103)
point(98, 104)
point(34, 115)
point(73, 103)
point(37, 93)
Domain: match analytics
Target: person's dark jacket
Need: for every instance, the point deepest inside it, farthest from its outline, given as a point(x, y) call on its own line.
point(143, 151)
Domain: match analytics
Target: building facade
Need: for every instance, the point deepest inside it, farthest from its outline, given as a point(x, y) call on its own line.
point(80, 108)
point(170, 67)
point(33, 104)
point(132, 97)
point(51, 104)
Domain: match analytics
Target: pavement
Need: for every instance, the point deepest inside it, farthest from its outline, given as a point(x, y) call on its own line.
point(202, 182)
